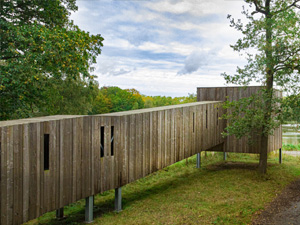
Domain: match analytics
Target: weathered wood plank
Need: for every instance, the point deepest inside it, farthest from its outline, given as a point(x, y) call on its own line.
point(132, 149)
point(96, 154)
point(3, 165)
point(17, 174)
point(168, 138)
point(160, 119)
point(33, 171)
point(172, 132)
point(139, 150)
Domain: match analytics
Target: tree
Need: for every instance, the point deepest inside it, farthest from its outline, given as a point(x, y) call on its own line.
point(40, 46)
point(115, 99)
point(291, 106)
point(271, 41)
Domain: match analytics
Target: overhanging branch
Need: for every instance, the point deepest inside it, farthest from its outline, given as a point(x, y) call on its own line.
point(258, 8)
point(294, 4)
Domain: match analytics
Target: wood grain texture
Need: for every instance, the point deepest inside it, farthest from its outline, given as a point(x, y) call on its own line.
point(144, 141)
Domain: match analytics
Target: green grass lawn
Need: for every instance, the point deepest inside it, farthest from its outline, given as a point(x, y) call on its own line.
point(218, 193)
point(291, 147)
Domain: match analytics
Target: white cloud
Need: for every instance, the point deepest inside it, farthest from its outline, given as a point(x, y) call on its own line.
point(148, 43)
point(194, 61)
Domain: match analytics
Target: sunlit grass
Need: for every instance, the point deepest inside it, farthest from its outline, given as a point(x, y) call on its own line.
point(291, 147)
point(218, 193)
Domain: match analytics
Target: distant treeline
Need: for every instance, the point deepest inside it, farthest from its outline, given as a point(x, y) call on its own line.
point(115, 99)
point(81, 98)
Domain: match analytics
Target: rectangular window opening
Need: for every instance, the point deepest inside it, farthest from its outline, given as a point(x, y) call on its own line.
point(112, 141)
point(206, 119)
point(193, 122)
point(102, 142)
point(46, 151)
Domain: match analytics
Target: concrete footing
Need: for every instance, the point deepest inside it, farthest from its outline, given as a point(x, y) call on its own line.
point(198, 160)
point(118, 199)
point(89, 206)
point(60, 213)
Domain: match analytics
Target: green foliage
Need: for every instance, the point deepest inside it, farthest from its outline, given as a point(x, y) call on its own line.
point(271, 39)
point(270, 42)
point(156, 101)
point(69, 97)
point(291, 108)
point(291, 147)
point(246, 116)
point(115, 99)
point(39, 47)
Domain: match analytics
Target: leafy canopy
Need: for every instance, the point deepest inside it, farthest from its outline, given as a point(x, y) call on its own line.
point(41, 45)
point(270, 43)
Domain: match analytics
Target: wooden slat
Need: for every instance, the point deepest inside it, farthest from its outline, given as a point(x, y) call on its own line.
point(124, 146)
point(172, 132)
point(17, 174)
point(126, 149)
point(139, 150)
point(3, 165)
point(154, 141)
point(160, 119)
point(33, 171)
point(151, 142)
point(132, 149)
point(168, 137)
point(111, 157)
point(177, 133)
point(96, 154)
point(117, 151)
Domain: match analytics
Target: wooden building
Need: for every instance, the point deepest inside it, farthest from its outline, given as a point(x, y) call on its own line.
point(232, 144)
point(50, 162)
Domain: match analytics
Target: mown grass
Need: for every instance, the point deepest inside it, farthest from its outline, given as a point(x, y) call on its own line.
point(291, 147)
point(219, 193)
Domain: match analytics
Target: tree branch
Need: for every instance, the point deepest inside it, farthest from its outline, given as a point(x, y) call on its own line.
point(290, 6)
point(258, 8)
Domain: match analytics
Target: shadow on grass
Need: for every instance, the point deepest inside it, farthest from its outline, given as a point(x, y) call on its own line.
point(142, 191)
point(232, 165)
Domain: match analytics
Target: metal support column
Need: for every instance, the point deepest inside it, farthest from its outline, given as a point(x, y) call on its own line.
point(225, 156)
point(89, 205)
point(198, 160)
point(280, 155)
point(60, 213)
point(118, 199)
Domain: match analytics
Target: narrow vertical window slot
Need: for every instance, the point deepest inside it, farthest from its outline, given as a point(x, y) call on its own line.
point(206, 118)
point(46, 151)
point(112, 141)
point(102, 142)
point(193, 122)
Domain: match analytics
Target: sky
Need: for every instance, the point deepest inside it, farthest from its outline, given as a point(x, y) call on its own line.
point(162, 47)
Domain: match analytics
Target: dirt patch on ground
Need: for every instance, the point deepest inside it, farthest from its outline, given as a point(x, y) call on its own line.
point(284, 209)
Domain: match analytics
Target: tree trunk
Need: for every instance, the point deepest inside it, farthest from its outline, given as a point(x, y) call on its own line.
point(263, 159)
point(269, 90)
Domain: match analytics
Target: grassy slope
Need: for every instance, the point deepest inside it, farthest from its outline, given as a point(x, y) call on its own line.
point(219, 193)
